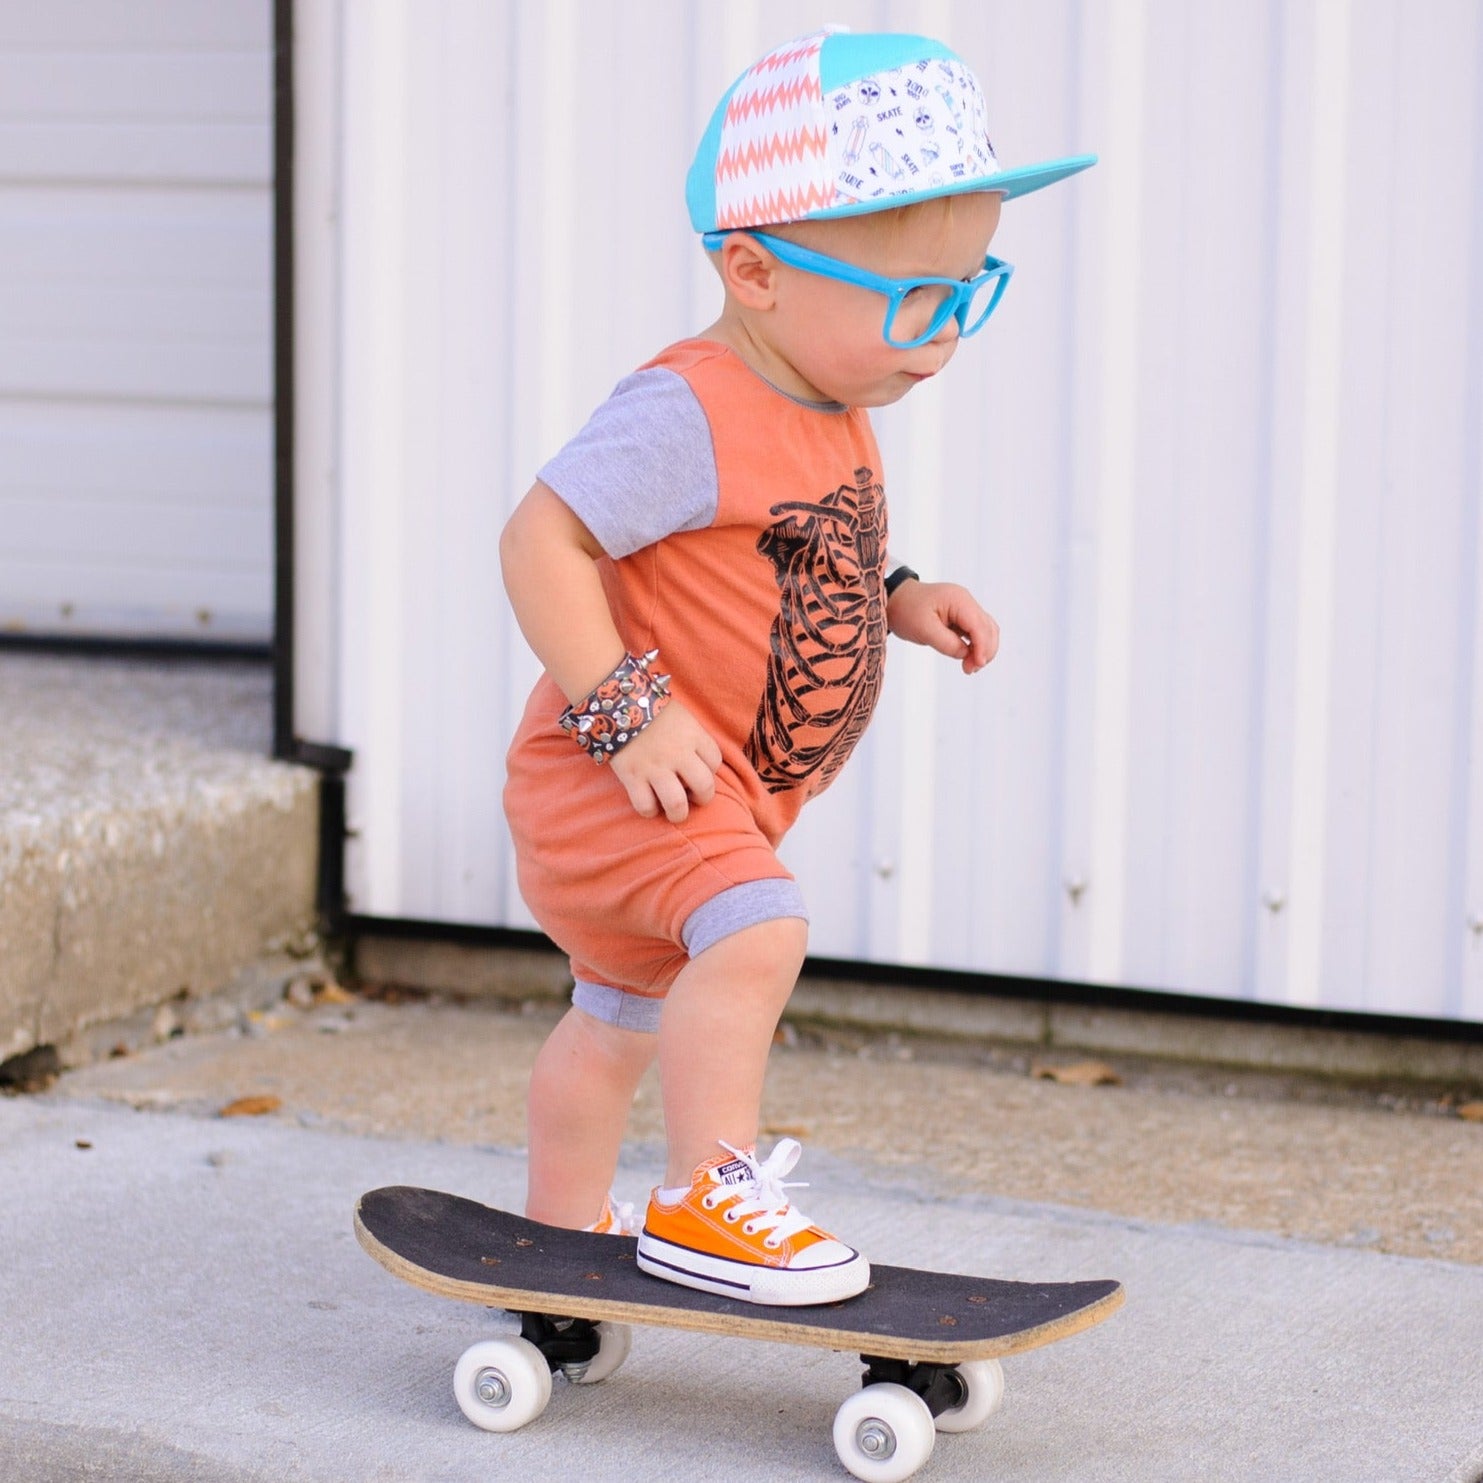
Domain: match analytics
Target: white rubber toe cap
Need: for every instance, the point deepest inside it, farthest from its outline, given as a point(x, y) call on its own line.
point(833, 1272)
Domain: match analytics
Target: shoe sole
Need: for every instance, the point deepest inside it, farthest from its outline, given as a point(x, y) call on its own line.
point(783, 1287)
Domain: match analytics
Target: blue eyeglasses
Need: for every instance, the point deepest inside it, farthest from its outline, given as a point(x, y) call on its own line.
point(970, 300)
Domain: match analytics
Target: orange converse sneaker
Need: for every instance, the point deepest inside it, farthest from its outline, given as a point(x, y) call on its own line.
point(616, 1219)
point(736, 1233)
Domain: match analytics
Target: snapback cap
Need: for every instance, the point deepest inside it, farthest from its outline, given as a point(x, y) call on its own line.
point(840, 124)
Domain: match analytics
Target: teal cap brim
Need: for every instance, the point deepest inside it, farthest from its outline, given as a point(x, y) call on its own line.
point(1006, 183)
point(1027, 178)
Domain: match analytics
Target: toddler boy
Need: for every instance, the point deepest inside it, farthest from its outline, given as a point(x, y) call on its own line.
point(703, 573)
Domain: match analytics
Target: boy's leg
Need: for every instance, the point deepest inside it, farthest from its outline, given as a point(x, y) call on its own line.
point(723, 1222)
point(581, 1090)
point(714, 1037)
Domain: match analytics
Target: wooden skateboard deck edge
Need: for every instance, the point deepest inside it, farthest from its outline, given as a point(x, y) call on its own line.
point(768, 1323)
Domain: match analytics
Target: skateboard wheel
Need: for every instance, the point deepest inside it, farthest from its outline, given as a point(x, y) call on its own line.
point(983, 1387)
point(500, 1384)
point(884, 1433)
point(614, 1340)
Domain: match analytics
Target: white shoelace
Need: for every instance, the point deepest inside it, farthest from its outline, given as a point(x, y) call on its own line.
point(761, 1200)
point(625, 1219)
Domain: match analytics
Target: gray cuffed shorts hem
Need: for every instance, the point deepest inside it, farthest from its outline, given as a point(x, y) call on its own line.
point(614, 1007)
point(741, 906)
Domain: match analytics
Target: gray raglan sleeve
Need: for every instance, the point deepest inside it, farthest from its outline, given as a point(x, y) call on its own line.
point(643, 467)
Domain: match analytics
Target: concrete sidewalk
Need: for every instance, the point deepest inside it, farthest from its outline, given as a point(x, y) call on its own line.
point(183, 1298)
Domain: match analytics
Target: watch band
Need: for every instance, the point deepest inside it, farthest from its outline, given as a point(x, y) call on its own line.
point(900, 575)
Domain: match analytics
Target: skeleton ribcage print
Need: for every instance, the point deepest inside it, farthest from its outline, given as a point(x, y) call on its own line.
point(829, 640)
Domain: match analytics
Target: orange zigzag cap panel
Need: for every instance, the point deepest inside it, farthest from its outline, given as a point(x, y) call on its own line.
point(787, 57)
point(743, 159)
point(774, 99)
point(782, 205)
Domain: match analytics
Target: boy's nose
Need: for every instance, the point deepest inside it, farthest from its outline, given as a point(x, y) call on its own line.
point(949, 330)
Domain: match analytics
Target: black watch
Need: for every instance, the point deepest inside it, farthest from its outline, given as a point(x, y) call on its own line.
point(900, 575)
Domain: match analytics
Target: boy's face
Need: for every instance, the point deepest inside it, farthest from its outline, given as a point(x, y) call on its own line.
point(830, 334)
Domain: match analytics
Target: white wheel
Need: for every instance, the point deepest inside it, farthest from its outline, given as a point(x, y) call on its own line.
point(884, 1433)
point(614, 1340)
point(500, 1384)
point(983, 1380)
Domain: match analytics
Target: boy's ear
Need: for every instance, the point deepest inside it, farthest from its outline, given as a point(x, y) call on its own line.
point(748, 271)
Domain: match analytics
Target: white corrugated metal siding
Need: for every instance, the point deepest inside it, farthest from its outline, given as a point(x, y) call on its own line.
point(136, 484)
point(1215, 468)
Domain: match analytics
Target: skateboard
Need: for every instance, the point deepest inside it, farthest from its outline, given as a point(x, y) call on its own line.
point(930, 1342)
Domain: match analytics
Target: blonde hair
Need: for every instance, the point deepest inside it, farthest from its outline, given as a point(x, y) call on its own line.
point(875, 226)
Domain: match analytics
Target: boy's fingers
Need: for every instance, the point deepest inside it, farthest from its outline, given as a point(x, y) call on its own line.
point(700, 780)
point(669, 789)
point(681, 770)
point(641, 796)
point(982, 636)
point(951, 640)
point(991, 640)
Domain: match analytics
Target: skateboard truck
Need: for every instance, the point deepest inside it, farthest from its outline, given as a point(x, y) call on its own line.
point(941, 1386)
point(566, 1344)
point(569, 1345)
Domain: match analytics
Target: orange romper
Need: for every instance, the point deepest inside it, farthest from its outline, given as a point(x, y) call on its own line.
point(760, 582)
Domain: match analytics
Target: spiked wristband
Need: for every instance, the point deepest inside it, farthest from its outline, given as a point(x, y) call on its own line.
point(621, 707)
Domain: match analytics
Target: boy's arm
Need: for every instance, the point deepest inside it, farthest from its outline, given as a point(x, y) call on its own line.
point(549, 561)
point(945, 617)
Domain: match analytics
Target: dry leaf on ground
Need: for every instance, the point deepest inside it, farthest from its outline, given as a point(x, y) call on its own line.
point(1082, 1074)
point(1471, 1112)
point(35, 1071)
point(252, 1106)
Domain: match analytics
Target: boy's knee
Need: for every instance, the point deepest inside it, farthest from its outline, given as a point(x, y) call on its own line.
point(778, 944)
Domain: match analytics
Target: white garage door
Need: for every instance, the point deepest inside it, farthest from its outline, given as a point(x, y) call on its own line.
point(136, 489)
point(1215, 468)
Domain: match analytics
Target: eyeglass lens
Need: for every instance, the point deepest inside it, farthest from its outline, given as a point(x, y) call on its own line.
point(926, 309)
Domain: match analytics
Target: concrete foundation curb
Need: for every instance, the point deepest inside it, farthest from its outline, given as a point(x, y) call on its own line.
point(510, 973)
point(146, 848)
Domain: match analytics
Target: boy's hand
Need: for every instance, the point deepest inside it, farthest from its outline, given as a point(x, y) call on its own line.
point(945, 617)
point(672, 761)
